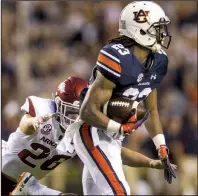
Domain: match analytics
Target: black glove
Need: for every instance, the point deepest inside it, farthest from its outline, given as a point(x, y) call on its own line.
point(169, 171)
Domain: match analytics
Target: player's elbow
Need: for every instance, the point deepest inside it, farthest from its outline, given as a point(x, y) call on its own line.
point(83, 112)
point(87, 112)
point(154, 112)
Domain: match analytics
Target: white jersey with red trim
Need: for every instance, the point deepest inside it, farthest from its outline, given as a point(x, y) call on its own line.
point(36, 153)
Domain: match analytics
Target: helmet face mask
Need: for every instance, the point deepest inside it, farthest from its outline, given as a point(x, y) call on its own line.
point(67, 112)
point(159, 30)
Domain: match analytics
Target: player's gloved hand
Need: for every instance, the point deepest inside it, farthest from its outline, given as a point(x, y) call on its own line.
point(41, 119)
point(169, 170)
point(132, 124)
point(157, 164)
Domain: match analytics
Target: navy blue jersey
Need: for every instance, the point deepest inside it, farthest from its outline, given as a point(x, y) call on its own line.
point(132, 78)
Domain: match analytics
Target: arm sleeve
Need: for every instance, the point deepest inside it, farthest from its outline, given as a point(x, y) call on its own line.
point(108, 63)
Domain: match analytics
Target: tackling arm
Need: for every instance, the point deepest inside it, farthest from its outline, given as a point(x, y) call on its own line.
point(29, 124)
point(135, 159)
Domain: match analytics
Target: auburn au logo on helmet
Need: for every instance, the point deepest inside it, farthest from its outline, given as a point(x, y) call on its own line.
point(140, 16)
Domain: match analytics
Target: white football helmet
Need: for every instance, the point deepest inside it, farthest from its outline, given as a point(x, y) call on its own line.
point(146, 23)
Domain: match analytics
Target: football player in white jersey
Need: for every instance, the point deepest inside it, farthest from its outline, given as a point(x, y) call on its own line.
point(28, 185)
point(32, 147)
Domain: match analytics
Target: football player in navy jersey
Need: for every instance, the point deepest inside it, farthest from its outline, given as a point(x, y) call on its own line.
point(131, 65)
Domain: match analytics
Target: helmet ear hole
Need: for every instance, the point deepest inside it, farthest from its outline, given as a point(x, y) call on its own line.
point(142, 32)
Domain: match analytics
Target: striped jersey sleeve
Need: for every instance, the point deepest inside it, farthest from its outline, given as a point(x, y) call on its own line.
point(37, 106)
point(108, 63)
point(28, 107)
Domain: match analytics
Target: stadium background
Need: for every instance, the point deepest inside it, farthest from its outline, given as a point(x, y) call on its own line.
point(44, 42)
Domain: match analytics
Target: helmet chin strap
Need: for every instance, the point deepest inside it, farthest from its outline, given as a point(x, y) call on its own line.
point(156, 47)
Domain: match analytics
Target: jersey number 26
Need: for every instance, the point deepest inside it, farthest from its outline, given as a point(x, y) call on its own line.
point(48, 164)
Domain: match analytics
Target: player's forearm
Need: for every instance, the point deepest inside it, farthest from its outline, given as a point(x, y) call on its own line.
point(94, 117)
point(134, 159)
point(155, 130)
point(91, 110)
point(153, 124)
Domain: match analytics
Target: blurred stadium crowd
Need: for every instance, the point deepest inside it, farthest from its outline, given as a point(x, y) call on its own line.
point(44, 42)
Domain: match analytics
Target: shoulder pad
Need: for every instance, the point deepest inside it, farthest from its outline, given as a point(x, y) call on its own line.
point(108, 63)
point(36, 106)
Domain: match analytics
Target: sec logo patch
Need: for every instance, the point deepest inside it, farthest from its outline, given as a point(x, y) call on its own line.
point(46, 129)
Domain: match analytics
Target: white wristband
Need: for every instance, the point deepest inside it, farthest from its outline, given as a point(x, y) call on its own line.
point(159, 140)
point(113, 126)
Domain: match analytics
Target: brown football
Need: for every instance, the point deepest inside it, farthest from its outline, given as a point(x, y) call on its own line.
point(120, 109)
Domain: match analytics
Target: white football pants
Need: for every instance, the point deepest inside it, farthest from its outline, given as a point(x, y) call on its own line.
point(101, 155)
